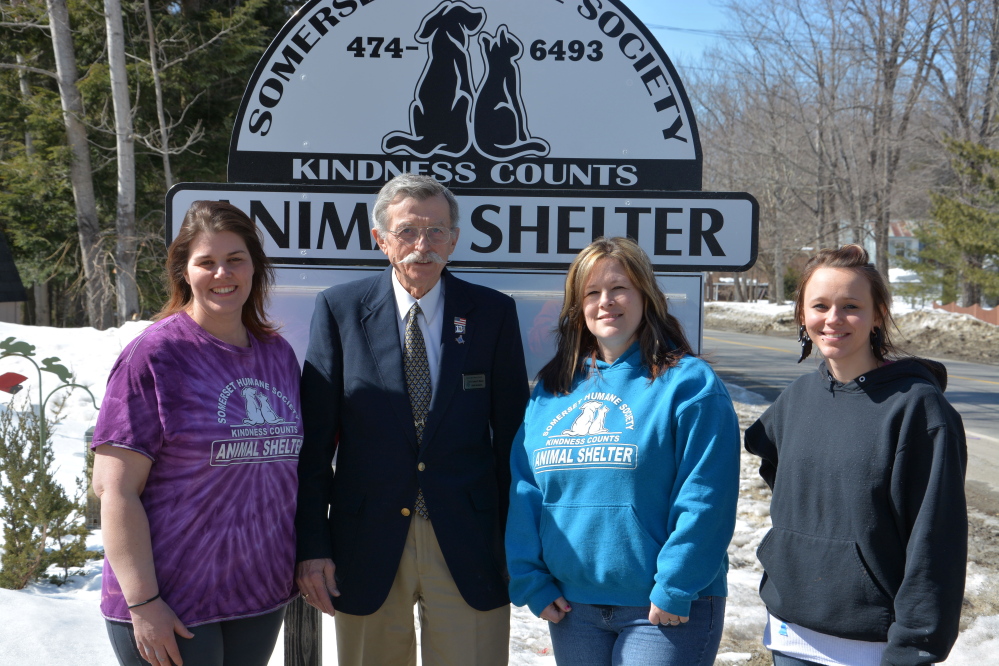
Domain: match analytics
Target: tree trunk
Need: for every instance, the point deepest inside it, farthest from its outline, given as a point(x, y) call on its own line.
point(43, 307)
point(125, 247)
point(22, 80)
point(739, 293)
point(777, 288)
point(80, 173)
point(158, 86)
point(971, 291)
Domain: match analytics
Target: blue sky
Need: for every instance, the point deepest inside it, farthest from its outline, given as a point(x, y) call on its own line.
point(682, 19)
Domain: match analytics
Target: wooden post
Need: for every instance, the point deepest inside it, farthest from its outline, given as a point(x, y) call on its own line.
point(92, 520)
point(303, 635)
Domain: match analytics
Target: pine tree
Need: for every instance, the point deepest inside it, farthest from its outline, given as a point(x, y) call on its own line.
point(961, 245)
point(42, 526)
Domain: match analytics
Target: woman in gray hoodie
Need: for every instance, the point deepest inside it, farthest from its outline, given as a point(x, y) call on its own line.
point(865, 563)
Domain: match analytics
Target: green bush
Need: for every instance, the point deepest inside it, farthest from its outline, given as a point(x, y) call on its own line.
point(42, 526)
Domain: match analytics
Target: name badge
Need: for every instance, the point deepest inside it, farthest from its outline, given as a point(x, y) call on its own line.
point(470, 382)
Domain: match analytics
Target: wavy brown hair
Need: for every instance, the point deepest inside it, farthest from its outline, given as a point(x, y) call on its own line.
point(212, 217)
point(660, 335)
point(855, 258)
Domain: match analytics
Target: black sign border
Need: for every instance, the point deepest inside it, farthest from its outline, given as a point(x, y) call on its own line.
point(372, 190)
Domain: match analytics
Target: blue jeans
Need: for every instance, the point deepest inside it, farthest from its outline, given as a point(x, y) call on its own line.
point(622, 635)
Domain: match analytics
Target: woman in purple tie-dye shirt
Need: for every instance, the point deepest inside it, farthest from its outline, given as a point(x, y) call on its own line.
point(196, 453)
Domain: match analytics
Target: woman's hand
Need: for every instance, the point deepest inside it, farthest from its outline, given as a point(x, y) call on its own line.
point(659, 616)
point(556, 610)
point(155, 624)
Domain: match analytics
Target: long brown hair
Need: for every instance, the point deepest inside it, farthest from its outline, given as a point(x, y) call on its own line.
point(212, 217)
point(854, 258)
point(660, 335)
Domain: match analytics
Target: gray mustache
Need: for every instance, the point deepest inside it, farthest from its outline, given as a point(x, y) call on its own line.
point(416, 257)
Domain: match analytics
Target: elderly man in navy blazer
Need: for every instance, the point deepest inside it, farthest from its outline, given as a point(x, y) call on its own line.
point(416, 379)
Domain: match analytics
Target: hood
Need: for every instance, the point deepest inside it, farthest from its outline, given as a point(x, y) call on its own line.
point(910, 367)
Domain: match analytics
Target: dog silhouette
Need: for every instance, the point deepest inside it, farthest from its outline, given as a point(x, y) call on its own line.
point(498, 114)
point(441, 123)
point(584, 422)
point(258, 409)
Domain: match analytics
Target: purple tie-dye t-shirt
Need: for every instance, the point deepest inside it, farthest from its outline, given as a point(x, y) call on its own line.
point(222, 426)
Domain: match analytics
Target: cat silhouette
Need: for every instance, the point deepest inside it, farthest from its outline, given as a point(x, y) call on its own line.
point(498, 114)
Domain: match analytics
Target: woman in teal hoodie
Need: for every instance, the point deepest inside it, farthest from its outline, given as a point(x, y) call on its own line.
point(625, 477)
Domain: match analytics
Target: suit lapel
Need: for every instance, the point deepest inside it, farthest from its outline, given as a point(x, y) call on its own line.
point(456, 305)
point(381, 329)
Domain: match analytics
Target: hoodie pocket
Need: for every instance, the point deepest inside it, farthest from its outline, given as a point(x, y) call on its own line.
point(822, 584)
point(603, 546)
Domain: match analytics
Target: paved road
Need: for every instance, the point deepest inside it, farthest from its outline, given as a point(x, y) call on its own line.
point(766, 365)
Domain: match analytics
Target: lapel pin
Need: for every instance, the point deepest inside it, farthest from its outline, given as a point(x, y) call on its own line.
point(459, 326)
point(460, 339)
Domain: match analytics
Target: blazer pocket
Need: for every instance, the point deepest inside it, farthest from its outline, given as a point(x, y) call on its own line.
point(823, 584)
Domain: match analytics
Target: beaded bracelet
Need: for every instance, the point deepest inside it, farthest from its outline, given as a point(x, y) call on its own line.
point(147, 601)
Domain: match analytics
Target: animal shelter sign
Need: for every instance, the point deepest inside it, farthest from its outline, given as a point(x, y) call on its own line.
point(514, 94)
point(328, 227)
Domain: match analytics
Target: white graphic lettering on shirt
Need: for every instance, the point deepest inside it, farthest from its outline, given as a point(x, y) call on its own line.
point(588, 442)
point(262, 434)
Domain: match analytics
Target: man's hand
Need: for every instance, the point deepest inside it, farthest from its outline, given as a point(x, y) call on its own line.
point(316, 583)
point(556, 610)
point(155, 625)
point(659, 616)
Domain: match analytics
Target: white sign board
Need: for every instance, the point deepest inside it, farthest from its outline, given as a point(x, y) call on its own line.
point(566, 94)
point(499, 229)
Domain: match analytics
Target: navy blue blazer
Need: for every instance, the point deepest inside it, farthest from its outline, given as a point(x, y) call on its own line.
point(354, 392)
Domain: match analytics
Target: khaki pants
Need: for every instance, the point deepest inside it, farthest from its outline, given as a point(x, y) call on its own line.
point(451, 631)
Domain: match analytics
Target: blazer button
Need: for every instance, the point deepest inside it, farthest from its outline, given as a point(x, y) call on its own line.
point(405, 512)
point(421, 467)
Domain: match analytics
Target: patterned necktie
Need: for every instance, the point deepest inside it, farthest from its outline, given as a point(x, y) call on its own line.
point(418, 384)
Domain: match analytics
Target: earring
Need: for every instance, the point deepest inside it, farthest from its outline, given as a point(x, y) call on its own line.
point(806, 343)
point(877, 343)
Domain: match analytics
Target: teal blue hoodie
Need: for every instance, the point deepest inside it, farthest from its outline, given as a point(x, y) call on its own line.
point(624, 492)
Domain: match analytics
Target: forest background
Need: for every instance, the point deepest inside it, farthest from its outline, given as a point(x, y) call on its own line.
point(839, 116)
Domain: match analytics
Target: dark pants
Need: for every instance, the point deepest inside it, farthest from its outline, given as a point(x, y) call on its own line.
point(245, 642)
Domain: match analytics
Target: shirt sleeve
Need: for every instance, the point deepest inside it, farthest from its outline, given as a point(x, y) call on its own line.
point(761, 441)
point(928, 494)
point(130, 412)
point(321, 391)
point(531, 583)
point(703, 502)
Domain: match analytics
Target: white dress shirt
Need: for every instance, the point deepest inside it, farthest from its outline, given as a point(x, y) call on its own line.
point(431, 322)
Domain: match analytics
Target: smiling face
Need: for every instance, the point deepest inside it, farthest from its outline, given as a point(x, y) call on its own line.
point(612, 308)
point(839, 315)
point(220, 273)
point(418, 266)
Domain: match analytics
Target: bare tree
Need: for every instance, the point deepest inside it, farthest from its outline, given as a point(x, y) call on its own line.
point(125, 246)
point(80, 174)
point(898, 41)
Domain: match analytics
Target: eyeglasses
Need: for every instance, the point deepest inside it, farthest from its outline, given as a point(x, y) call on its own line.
point(411, 235)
